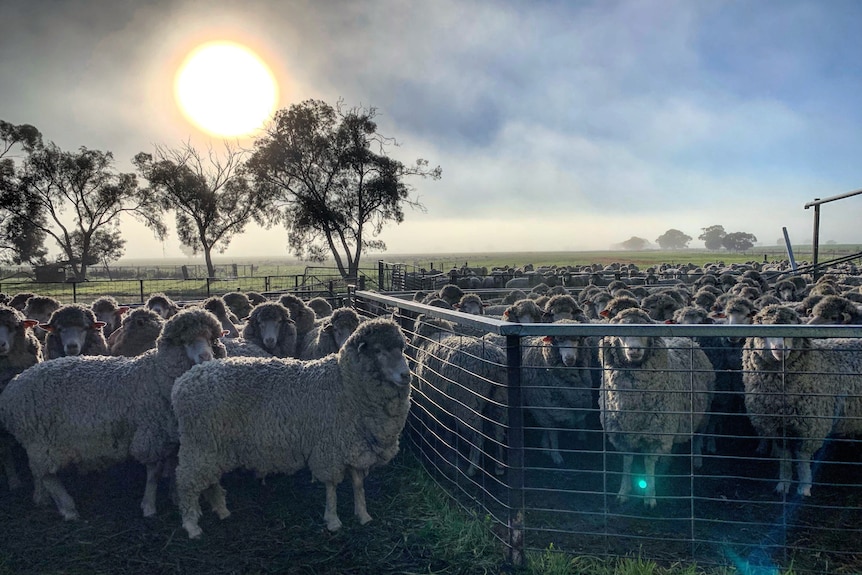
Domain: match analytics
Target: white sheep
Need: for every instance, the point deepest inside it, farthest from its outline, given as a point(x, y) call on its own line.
point(339, 414)
point(97, 410)
point(655, 393)
point(799, 391)
point(73, 330)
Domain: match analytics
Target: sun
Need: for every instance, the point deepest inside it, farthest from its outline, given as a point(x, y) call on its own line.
point(225, 89)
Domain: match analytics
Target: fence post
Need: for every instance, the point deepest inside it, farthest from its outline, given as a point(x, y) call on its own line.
point(380, 277)
point(208, 287)
point(74, 292)
point(515, 437)
point(141, 282)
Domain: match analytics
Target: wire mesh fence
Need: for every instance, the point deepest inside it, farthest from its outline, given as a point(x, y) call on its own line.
point(564, 455)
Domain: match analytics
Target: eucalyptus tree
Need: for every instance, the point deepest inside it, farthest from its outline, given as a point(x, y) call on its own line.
point(76, 199)
point(211, 195)
point(336, 184)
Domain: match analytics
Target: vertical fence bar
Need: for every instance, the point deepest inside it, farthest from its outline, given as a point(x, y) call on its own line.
point(141, 284)
point(74, 292)
point(515, 450)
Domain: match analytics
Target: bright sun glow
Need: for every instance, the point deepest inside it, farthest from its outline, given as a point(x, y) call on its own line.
point(225, 89)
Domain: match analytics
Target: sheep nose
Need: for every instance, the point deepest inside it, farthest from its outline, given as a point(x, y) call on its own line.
point(269, 342)
point(204, 356)
point(73, 349)
point(4, 347)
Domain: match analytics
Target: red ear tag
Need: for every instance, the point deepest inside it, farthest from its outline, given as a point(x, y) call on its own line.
point(548, 339)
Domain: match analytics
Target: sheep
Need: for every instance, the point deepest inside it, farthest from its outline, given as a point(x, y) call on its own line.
point(19, 349)
point(557, 384)
point(660, 306)
point(95, 411)
point(451, 293)
point(465, 369)
point(302, 315)
point(162, 305)
point(655, 393)
point(523, 311)
point(40, 308)
point(256, 298)
point(563, 306)
point(19, 300)
point(617, 304)
point(138, 333)
point(270, 327)
point(73, 330)
point(217, 307)
point(238, 303)
point(109, 311)
point(339, 414)
point(471, 303)
point(330, 336)
point(836, 309)
point(321, 307)
point(799, 391)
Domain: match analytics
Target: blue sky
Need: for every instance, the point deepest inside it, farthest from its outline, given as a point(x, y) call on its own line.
point(559, 125)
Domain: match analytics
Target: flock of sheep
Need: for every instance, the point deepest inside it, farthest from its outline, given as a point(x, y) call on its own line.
point(651, 394)
point(290, 390)
point(239, 381)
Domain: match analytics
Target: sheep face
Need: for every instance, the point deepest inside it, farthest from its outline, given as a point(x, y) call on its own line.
point(568, 348)
point(269, 330)
point(112, 318)
point(160, 306)
point(340, 333)
point(472, 307)
point(72, 337)
point(8, 333)
point(634, 348)
point(391, 362)
point(199, 350)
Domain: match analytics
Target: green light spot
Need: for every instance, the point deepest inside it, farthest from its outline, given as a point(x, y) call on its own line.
point(642, 483)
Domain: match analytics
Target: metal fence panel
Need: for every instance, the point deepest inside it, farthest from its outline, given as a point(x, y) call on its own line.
point(718, 510)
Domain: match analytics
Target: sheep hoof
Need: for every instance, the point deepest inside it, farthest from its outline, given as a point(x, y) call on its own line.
point(193, 530)
point(333, 524)
point(148, 511)
point(650, 502)
point(557, 458)
point(70, 515)
point(222, 513)
point(783, 487)
point(804, 490)
point(363, 519)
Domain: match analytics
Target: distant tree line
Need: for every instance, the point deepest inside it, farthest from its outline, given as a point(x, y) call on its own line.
point(322, 171)
point(713, 237)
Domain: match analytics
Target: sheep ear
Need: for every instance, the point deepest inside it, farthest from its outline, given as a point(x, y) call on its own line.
point(548, 339)
point(224, 332)
point(47, 327)
point(506, 313)
point(122, 309)
point(604, 313)
point(670, 321)
point(30, 323)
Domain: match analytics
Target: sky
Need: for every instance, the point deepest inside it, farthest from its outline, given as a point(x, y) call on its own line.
point(558, 125)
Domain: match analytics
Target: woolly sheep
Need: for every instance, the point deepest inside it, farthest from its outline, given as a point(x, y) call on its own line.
point(655, 393)
point(138, 333)
point(40, 308)
point(109, 311)
point(94, 410)
point(19, 300)
point(321, 307)
point(557, 384)
point(270, 327)
point(465, 369)
point(73, 330)
point(238, 303)
point(256, 298)
point(801, 389)
point(523, 311)
point(302, 315)
point(330, 336)
point(19, 349)
point(339, 414)
point(835, 309)
point(617, 304)
point(563, 306)
point(660, 306)
point(162, 305)
point(471, 303)
point(217, 307)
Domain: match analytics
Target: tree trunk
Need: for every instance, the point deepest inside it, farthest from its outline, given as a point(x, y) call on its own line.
point(209, 260)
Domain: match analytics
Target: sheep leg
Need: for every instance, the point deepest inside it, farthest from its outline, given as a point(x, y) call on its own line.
point(40, 496)
point(803, 470)
point(697, 450)
point(359, 508)
point(64, 502)
point(188, 493)
point(649, 475)
point(148, 503)
point(330, 514)
point(625, 478)
point(785, 470)
point(553, 436)
point(215, 496)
